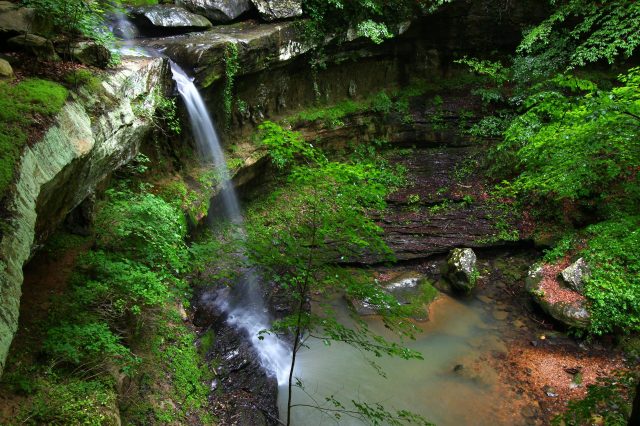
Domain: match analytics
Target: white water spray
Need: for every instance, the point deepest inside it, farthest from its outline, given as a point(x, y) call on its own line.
point(243, 303)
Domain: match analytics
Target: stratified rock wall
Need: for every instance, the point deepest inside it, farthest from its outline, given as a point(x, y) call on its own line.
point(92, 136)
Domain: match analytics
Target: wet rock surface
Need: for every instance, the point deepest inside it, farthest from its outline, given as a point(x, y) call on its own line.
point(461, 269)
point(217, 10)
point(440, 209)
point(242, 393)
point(168, 20)
point(260, 46)
point(272, 10)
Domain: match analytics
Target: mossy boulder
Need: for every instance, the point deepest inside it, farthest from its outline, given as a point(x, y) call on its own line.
point(34, 45)
point(6, 71)
point(461, 270)
point(562, 304)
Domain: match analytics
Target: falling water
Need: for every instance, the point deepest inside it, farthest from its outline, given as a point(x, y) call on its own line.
point(243, 304)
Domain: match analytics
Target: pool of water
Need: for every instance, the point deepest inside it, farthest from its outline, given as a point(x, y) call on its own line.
point(456, 383)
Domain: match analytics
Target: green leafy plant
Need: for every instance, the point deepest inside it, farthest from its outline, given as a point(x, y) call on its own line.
point(231, 68)
point(315, 220)
point(73, 18)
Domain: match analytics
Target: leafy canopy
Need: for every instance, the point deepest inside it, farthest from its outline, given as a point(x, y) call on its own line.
point(587, 31)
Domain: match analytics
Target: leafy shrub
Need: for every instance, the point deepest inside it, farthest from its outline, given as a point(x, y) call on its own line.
point(284, 145)
point(613, 288)
point(120, 287)
point(144, 227)
point(77, 402)
point(85, 343)
point(381, 103)
point(579, 148)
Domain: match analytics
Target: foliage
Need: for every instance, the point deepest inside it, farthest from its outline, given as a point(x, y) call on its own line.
point(72, 401)
point(72, 18)
point(180, 356)
point(143, 227)
point(332, 116)
point(85, 343)
point(120, 304)
point(375, 31)
point(21, 107)
point(231, 68)
point(284, 145)
point(607, 402)
point(119, 287)
point(579, 148)
point(613, 288)
point(166, 113)
point(586, 32)
point(317, 219)
point(374, 19)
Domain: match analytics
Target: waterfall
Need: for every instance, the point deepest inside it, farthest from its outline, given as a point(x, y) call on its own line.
point(243, 304)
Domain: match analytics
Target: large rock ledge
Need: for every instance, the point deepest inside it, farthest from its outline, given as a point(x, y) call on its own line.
point(260, 46)
point(55, 174)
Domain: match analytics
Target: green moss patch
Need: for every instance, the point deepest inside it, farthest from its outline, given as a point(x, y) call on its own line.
point(22, 107)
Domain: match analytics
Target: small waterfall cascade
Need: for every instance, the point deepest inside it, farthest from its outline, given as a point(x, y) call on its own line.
point(243, 304)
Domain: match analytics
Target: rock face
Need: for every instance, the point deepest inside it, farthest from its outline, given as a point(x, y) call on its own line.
point(35, 45)
point(217, 10)
point(168, 19)
point(56, 174)
point(273, 10)
point(461, 269)
point(15, 20)
point(260, 47)
point(5, 69)
point(566, 306)
point(575, 274)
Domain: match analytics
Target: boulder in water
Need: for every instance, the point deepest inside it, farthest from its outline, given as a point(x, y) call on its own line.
point(168, 19)
point(273, 10)
point(217, 10)
point(462, 272)
point(575, 274)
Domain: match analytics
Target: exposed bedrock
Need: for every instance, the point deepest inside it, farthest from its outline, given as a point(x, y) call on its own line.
point(93, 135)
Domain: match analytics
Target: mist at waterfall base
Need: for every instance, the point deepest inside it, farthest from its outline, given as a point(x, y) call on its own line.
point(243, 304)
